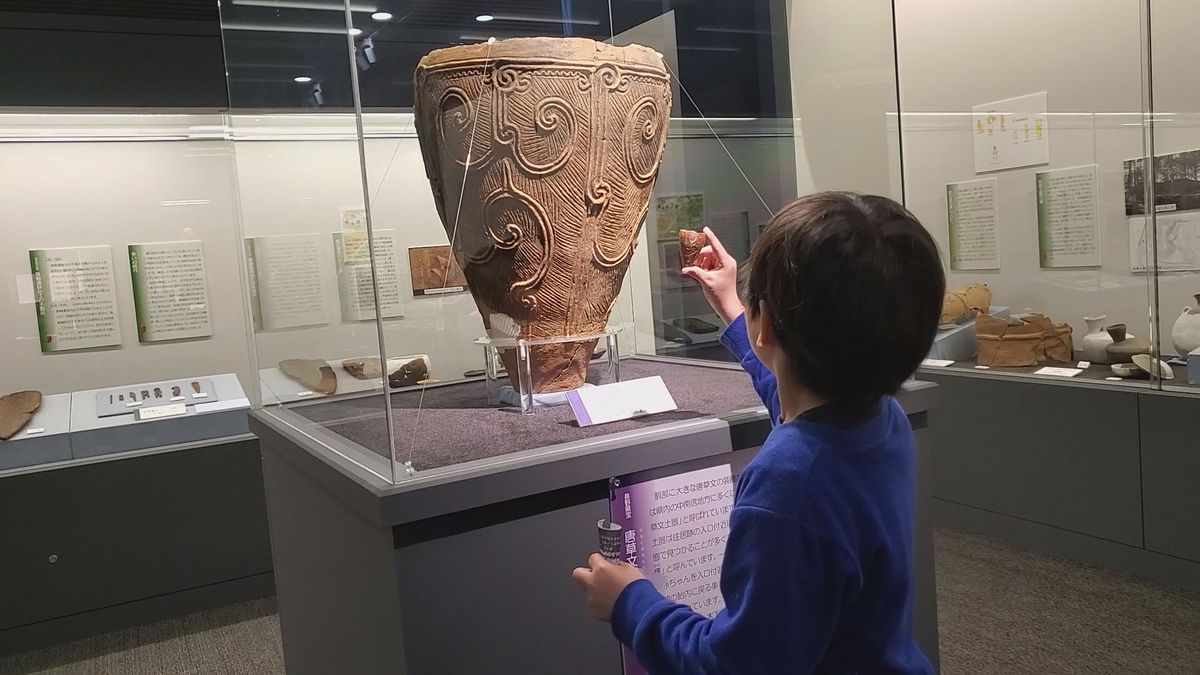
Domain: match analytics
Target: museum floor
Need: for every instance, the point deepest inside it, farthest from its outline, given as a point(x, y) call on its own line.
point(1002, 609)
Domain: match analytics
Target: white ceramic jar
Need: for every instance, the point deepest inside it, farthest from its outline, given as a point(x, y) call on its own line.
point(1097, 339)
point(1186, 332)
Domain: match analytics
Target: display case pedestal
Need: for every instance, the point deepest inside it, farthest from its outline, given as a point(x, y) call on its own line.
point(466, 568)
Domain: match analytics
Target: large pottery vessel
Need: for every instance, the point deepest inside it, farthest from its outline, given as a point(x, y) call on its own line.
point(1186, 331)
point(542, 154)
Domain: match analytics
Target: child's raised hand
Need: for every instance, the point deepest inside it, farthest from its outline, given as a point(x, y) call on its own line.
point(716, 271)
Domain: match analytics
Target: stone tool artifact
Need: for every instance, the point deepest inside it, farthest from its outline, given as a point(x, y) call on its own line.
point(16, 410)
point(542, 154)
point(312, 373)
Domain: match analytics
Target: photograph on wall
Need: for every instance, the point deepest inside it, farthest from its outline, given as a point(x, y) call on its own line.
point(1011, 133)
point(284, 274)
point(434, 271)
point(75, 297)
point(1178, 243)
point(973, 218)
point(1176, 183)
point(1068, 217)
point(170, 291)
point(353, 219)
point(678, 212)
point(356, 285)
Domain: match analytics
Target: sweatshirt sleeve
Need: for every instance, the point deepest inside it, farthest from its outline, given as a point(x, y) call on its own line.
point(736, 341)
point(783, 583)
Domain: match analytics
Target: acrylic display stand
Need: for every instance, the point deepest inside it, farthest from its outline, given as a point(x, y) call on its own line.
point(529, 400)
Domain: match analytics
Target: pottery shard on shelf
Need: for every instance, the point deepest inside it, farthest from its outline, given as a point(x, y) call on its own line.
point(405, 371)
point(314, 374)
point(542, 154)
point(691, 243)
point(16, 410)
point(965, 304)
point(1006, 343)
point(1056, 344)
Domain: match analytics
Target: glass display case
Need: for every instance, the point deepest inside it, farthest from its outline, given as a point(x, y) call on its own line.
point(123, 313)
point(1027, 158)
point(500, 225)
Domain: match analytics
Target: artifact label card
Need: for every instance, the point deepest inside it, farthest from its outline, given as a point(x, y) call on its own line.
point(170, 290)
point(620, 401)
point(285, 281)
point(973, 216)
point(1068, 218)
point(356, 289)
point(1058, 372)
point(76, 298)
point(674, 529)
point(1011, 133)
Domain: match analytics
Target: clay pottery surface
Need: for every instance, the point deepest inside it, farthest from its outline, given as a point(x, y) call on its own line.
point(314, 374)
point(554, 146)
point(1125, 345)
point(965, 304)
point(954, 308)
point(691, 243)
point(1127, 370)
point(1186, 331)
point(1006, 343)
point(16, 410)
point(1097, 340)
point(1056, 344)
point(977, 297)
point(1152, 366)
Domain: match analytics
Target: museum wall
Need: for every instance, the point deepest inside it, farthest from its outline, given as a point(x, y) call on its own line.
point(120, 179)
point(951, 61)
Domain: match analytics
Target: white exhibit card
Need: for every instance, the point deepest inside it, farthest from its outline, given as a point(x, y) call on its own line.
point(356, 284)
point(1178, 242)
point(170, 290)
point(973, 216)
point(1068, 217)
point(285, 281)
point(75, 294)
point(1011, 133)
point(620, 401)
point(1058, 372)
point(733, 229)
point(937, 363)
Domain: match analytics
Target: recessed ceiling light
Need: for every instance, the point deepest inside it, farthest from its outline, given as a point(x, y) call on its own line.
point(303, 79)
point(382, 16)
point(484, 18)
point(356, 32)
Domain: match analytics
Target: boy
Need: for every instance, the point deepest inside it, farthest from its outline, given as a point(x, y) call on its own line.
point(842, 301)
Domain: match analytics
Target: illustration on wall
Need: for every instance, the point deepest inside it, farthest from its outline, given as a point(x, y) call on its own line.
point(1011, 133)
point(678, 212)
point(434, 271)
point(1178, 242)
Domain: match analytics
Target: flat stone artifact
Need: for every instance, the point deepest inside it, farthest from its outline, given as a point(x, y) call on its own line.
point(542, 154)
point(1125, 346)
point(691, 243)
point(16, 410)
point(314, 374)
point(406, 371)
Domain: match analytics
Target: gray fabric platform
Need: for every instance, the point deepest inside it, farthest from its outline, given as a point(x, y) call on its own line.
point(454, 423)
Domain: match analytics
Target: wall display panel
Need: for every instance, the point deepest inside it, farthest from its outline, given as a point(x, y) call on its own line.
point(1063, 141)
point(109, 285)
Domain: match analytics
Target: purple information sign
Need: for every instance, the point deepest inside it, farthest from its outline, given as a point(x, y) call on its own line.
point(674, 529)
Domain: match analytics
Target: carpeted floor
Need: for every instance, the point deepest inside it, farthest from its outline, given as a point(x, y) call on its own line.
point(1001, 609)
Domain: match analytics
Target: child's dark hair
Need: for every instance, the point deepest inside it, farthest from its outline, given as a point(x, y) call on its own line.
point(854, 286)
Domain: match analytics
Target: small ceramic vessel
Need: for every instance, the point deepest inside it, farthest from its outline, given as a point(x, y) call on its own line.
point(1097, 340)
point(1124, 345)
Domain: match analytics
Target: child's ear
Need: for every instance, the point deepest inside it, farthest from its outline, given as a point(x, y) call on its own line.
point(766, 331)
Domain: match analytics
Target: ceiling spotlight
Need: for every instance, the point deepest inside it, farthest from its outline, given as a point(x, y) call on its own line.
point(382, 16)
point(303, 79)
point(484, 18)
point(356, 32)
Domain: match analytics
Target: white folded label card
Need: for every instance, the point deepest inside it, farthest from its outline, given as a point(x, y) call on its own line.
point(160, 411)
point(937, 363)
point(620, 401)
point(1058, 372)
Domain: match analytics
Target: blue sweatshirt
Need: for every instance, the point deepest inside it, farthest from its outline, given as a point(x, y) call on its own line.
point(818, 572)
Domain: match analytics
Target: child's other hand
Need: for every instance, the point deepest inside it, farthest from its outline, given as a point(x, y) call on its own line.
point(602, 582)
point(716, 271)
